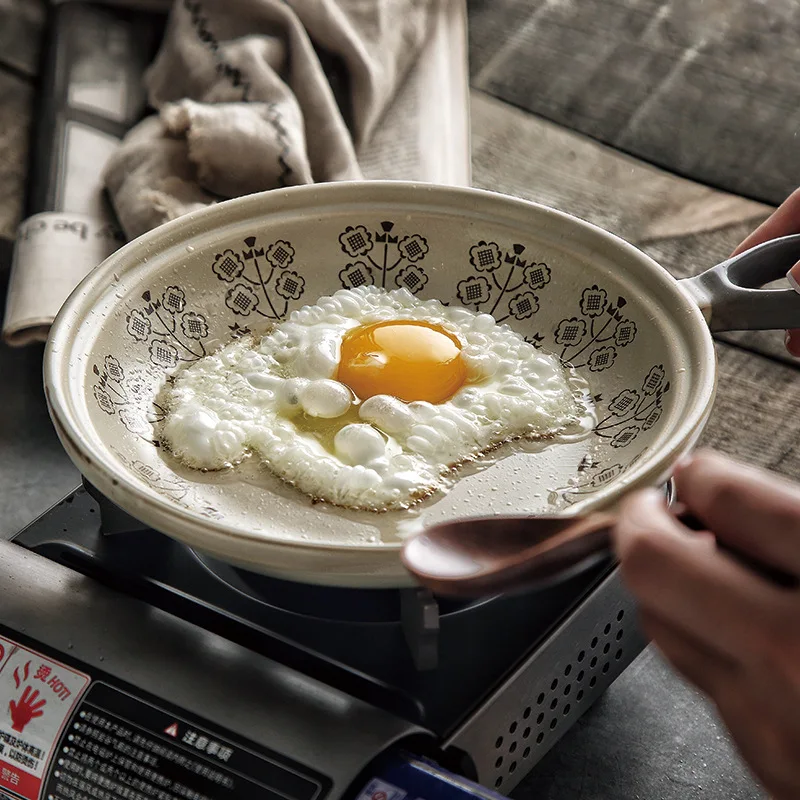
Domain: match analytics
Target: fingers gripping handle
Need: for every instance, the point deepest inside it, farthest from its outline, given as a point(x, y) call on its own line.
point(729, 295)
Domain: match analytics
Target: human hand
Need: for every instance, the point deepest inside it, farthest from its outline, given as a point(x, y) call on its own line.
point(785, 220)
point(729, 631)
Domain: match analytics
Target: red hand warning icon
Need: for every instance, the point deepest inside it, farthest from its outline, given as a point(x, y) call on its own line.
point(25, 709)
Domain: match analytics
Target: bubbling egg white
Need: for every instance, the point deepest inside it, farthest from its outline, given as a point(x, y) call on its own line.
point(369, 398)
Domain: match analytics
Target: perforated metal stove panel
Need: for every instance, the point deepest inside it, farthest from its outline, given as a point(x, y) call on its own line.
point(516, 727)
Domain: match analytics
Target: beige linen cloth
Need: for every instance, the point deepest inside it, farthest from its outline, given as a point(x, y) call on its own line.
point(252, 95)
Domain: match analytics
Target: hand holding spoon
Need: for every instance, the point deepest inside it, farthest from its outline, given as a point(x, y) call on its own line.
point(489, 555)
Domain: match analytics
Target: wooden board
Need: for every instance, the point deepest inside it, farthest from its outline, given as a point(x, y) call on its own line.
point(521, 154)
point(755, 415)
point(685, 226)
point(16, 98)
point(708, 89)
point(21, 23)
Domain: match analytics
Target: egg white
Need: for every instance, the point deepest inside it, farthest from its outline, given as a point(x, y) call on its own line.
point(278, 399)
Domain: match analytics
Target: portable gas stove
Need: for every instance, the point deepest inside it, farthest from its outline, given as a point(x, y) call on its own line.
point(170, 675)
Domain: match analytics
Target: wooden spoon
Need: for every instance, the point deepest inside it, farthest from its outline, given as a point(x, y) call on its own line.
point(490, 555)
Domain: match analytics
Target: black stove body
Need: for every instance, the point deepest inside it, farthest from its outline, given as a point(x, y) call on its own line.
point(337, 677)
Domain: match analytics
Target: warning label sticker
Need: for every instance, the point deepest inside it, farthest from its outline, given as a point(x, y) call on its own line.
point(5, 652)
point(37, 695)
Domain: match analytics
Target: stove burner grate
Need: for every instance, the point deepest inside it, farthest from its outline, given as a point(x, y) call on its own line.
point(334, 604)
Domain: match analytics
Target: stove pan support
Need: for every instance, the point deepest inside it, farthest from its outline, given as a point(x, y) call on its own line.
point(113, 519)
point(418, 607)
point(419, 615)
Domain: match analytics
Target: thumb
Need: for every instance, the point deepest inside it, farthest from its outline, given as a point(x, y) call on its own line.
point(644, 516)
point(793, 276)
point(792, 339)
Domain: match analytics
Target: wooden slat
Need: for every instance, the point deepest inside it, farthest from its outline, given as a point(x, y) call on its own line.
point(491, 25)
point(523, 155)
point(755, 415)
point(685, 226)
point(21, 24)
point(16, 97)
point(709, 90)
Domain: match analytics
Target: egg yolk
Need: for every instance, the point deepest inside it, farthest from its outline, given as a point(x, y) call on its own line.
point(406, 359)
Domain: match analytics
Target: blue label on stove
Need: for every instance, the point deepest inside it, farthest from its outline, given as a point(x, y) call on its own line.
point(404, 777)
point(378, 789)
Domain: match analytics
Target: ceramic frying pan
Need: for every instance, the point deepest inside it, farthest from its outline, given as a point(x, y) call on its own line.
point(640, 338)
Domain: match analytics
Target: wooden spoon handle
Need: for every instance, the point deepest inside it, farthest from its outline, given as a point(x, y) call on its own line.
point(579, 542)
point(575, 548)
point(459, 563)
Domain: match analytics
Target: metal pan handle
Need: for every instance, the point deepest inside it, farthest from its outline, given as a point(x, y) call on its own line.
point(729, 295)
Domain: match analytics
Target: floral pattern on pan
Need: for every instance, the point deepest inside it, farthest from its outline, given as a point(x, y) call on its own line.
point(383, 258)
point(595, 337)
point(506, 283)
point(124, 394)
point(259, 277)
point(172, 333)
point(593, 474)
point(169, 484)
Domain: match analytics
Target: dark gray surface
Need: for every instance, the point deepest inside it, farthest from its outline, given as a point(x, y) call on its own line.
point(34, 469)
point(649, 738)
point(710, 89)
point(20, 28)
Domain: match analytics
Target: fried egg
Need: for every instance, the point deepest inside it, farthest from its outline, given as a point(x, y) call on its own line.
point(369, 398)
